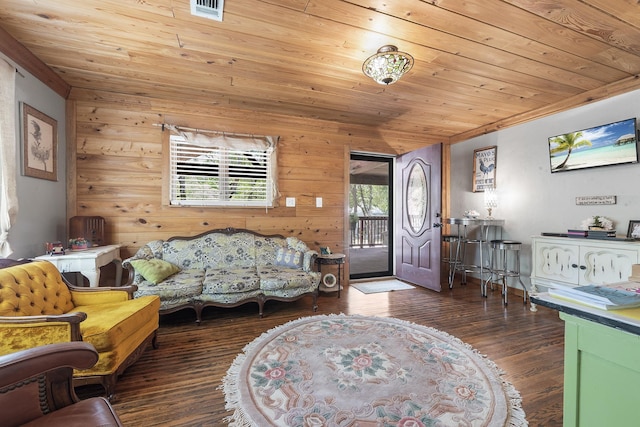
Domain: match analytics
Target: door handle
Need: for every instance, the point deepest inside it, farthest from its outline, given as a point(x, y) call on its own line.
point(437, 224)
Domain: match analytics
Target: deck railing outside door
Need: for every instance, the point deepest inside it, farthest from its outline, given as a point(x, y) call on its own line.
point(370, 231)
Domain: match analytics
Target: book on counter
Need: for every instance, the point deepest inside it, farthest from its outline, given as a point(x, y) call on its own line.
point(577, 233)
point(591, 234)
point(598, 234)
point(614, 296)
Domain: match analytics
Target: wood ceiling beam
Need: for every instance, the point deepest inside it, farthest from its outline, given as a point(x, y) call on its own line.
point(27, 60)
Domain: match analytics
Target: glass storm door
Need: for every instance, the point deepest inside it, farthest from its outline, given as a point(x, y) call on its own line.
point(370, 216)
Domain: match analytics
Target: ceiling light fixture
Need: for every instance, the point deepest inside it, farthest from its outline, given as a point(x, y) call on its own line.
point(388, 65)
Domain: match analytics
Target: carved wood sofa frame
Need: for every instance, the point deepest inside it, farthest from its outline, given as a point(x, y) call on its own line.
point(199, 306)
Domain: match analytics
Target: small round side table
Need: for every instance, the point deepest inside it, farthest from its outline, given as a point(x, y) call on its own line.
point(332, 259)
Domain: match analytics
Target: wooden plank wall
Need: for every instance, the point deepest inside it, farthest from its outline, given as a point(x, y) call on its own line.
point(119, 159)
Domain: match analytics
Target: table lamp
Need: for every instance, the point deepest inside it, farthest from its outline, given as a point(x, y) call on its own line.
point(490, 200)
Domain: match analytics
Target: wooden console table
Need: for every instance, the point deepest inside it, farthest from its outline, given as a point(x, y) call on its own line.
point(88, 262)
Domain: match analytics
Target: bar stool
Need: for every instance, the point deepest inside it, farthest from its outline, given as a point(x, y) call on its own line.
point(470, 246)
point(505, 263)
point(453, 260)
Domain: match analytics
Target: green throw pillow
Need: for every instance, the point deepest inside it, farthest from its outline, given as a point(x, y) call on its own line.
point(289, 258)
point(154, 270)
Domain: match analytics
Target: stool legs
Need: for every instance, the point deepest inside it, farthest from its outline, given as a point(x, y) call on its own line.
point(459, 265)
point(453, 261)
point(524, 288)
point(456, 255)
point(507, 273)
point(502, 268)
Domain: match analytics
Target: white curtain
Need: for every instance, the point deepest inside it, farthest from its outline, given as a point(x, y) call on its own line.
point(8, 142)
point(216, 139)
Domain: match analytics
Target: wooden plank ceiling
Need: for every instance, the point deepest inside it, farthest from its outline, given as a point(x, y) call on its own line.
point(479, 64)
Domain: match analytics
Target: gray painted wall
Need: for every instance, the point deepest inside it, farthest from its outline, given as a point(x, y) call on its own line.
point(41, 203)
point(532, 200)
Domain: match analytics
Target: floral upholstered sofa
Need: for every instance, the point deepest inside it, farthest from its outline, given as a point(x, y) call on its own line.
point(224, 268)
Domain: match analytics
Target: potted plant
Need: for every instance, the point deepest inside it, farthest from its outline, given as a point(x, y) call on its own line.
point(78, 243)
point(597, 222)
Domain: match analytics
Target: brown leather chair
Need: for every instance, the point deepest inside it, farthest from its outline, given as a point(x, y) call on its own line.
point(36, 388)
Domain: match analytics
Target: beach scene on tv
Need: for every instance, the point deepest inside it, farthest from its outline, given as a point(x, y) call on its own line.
point(609, 144)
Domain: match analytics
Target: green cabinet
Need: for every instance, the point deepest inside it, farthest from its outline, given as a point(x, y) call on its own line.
point(601, 374)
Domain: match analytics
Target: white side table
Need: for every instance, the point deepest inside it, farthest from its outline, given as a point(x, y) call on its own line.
point(88, 262)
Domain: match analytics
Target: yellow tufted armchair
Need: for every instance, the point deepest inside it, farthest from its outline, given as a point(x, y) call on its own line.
point(37, 307)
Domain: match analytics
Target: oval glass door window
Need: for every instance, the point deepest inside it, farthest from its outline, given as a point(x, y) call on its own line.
point(417, 199)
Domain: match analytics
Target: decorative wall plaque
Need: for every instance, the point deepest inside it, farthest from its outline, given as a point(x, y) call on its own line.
point(596, 200)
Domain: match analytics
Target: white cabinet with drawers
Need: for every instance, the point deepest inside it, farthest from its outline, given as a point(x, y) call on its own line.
point(568, 262)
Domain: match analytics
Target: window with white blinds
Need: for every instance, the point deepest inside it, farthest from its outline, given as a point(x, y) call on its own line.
point(214, 176)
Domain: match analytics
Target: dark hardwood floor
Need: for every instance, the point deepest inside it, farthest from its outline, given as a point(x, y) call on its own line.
point(179, 383)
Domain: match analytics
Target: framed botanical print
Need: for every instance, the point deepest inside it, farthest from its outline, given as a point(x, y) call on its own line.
point(40, 144)
point(484, 168)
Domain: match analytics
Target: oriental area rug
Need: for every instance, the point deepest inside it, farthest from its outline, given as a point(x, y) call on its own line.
point(340, 370)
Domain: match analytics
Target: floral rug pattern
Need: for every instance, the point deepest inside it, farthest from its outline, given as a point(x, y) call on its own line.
point(348, 371)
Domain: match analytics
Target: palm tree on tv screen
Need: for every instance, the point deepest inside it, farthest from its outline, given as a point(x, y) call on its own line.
point(568, 142)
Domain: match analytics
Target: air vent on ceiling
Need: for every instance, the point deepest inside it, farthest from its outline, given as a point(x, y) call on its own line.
point(211, 9)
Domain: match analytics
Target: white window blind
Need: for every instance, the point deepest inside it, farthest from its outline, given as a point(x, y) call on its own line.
point(219, 176)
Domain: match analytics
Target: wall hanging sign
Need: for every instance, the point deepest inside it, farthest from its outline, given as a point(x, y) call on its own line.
point(484, 168)
point(596, 200)
point(40, 144)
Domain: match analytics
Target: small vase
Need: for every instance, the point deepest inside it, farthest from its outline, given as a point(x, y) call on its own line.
point(593, 227)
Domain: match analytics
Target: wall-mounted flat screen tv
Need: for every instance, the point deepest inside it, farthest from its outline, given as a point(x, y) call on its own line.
point(611, 144)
